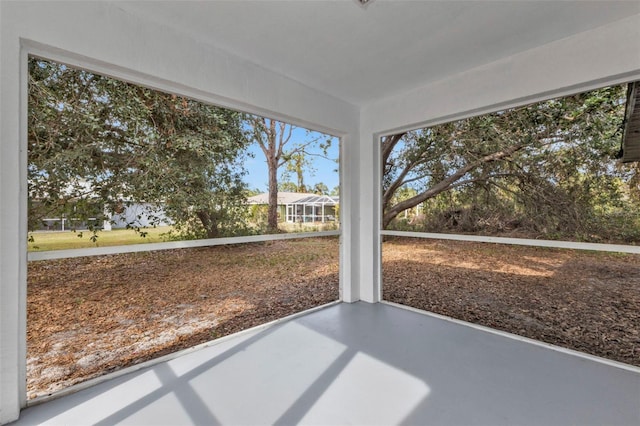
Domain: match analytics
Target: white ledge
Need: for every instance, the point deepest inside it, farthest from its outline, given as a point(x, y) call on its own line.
point(618, 248)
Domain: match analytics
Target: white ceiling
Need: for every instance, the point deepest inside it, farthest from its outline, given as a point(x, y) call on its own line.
point(362, 54)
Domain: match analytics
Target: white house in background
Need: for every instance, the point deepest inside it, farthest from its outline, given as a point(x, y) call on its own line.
point(141, 215)
point(130, 213)
point(300, 207)
point(138, 215)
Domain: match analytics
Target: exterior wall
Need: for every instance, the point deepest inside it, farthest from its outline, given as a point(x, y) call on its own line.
point(605, 55)
point(138, 215)
point(102, 37)
point(301, 213)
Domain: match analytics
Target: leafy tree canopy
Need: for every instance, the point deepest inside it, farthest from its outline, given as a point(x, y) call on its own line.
point(546, 168)
point(97, 144)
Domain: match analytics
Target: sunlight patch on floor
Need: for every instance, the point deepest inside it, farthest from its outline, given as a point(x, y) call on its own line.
point(391, 395)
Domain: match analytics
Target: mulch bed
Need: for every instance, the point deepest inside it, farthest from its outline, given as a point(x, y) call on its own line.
point(93, 315)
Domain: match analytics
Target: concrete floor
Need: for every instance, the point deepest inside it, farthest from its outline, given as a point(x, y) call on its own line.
point(361, 364)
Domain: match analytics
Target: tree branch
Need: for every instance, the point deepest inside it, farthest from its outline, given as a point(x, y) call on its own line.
point(446, 183)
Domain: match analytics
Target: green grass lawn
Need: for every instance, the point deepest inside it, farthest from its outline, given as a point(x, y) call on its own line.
point(61, 240)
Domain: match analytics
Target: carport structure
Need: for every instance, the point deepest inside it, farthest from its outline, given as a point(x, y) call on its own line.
point(359, 73)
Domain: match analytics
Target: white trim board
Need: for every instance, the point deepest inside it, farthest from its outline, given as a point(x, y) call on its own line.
point(618, 248)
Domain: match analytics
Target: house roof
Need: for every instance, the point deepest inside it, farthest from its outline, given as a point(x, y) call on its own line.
point(318, 199)
point(631, 135)
point(283, 197)
point(363, 54)
point(294, 198)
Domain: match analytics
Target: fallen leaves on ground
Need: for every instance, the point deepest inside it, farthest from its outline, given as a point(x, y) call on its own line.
point(587, 301)
point(93, 315)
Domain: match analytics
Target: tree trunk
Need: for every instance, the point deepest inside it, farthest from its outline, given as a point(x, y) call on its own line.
point(299, 164)
point(272, 212)
point(210, 226)
point(272, 137)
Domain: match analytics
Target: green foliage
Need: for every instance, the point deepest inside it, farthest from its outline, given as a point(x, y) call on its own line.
point(320, 189)
point(287, 186)
point(97, 144)
point(281, 150)
point(545, 170)
point(297, 163)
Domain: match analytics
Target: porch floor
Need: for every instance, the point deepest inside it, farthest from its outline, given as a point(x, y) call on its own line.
point(361, 364)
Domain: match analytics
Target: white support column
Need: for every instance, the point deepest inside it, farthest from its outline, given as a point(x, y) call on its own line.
point(350, 216)
point(13, 232)
point(369, 217)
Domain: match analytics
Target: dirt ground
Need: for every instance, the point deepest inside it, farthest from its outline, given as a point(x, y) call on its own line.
point(90, 316)
point(93, 315)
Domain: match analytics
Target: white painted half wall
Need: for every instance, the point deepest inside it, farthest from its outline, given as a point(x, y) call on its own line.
point(104, 38)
